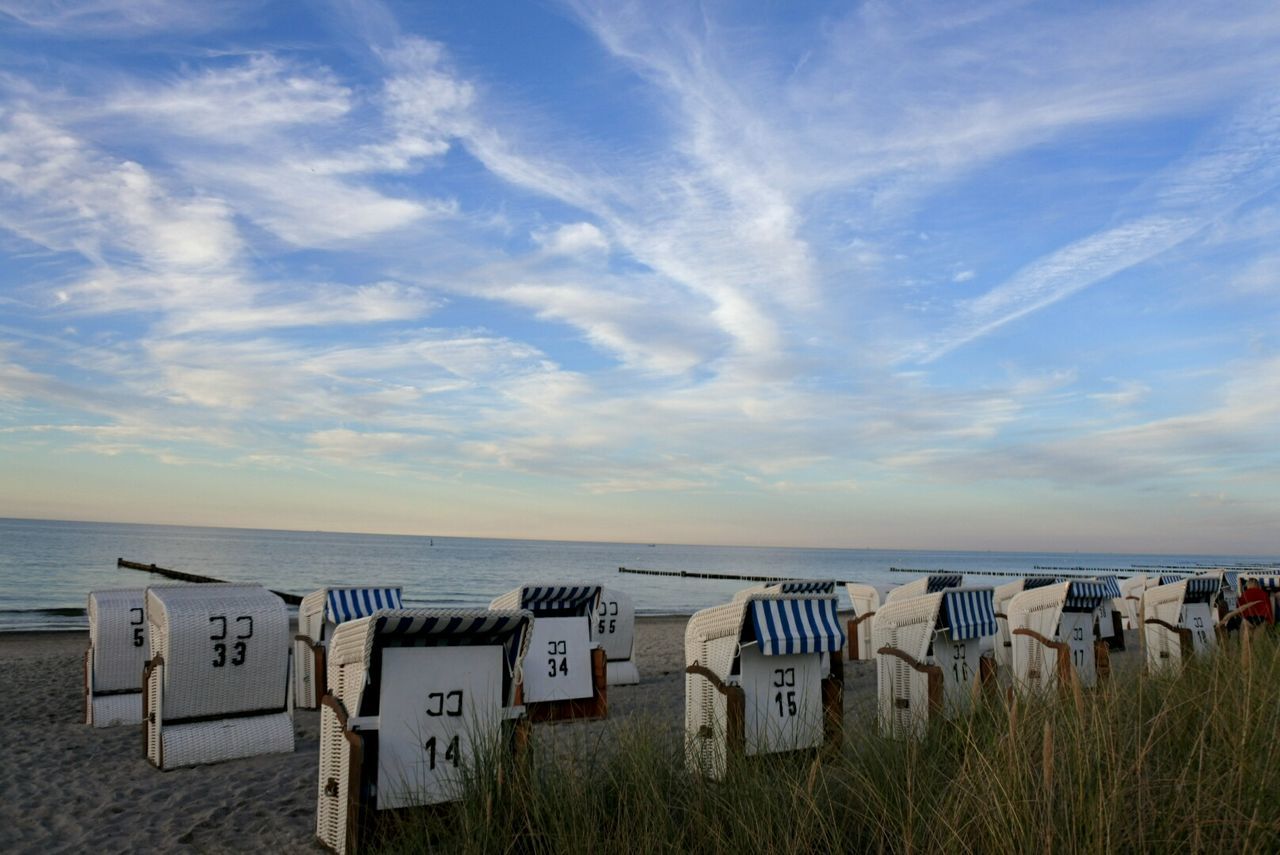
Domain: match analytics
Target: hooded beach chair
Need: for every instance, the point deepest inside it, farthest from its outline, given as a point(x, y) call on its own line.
point(416, 697)
point(1001, 595)
point(763, 674)
point(1178, 621)
point(865, 599)
point(567, 673)
point(613, 627)
point(1054, 635)
point(319, 614)
point(1131, 590)
point(928, 652)
point(931, 584)
point(1109, 616)
point(116, 656)
point(217, 683)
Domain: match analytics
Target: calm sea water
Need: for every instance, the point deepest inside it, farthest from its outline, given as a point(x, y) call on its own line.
point(47, 568)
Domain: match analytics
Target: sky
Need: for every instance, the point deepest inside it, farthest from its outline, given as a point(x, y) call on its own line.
point(899, 275)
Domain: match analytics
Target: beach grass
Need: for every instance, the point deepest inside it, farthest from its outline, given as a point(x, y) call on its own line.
point(1185, 763)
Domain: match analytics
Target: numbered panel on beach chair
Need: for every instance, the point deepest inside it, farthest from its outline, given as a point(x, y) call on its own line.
point(566, 675)
point(217, 683)
point(118, 649)
point(418, 697)
point(763, 675)
point(319, 614)
point(613, 627)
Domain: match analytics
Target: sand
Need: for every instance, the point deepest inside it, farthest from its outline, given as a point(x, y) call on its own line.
point(67, 787)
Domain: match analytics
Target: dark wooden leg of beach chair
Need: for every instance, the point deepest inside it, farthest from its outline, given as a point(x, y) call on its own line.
point(987, 673)
point(1117, 630)
point(735, 721)
point(1102, 656)
point(600, 679)
point(833, 700)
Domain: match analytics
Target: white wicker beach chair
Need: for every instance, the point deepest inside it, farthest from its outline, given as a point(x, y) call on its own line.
point(1001, 595)
point(1054, 635)
point(1131, 590)
point(929, 657)
point(865, 599)
point(217, 684)
point(319, 614)
point(931, 584)
point(416, 696)
point(763, 674)
point(567, 677)
point(116, 656)
point(613, 626)
point(1178, 621)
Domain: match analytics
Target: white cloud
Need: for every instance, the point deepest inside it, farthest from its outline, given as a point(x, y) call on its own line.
point(572, 239)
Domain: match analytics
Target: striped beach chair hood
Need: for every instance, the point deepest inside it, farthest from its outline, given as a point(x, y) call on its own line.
point(559, 598)
point(1201, 588)
point(1113, 586)
point(799, 625)
point(941, 581)
point(968, 613)
point(344, 604)
point(1087, 593)
point(821, 587)
point(1032, 582)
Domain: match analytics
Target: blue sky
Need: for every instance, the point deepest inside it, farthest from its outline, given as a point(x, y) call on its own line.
point(992, 276)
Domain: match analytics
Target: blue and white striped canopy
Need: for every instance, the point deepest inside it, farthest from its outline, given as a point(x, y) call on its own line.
point(541, 599)
point(1113, 586)
point(456, 631)
point(1170, 578)
point(968, 614)
point(804, 586)
point(1086, 594)
point(797, 626)
point(1033, 582)
point(1202, 587)
point(350, 603)
point(942, 581)
point(1267, 583)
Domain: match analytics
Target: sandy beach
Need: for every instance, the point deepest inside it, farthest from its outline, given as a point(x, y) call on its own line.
point(67, 787)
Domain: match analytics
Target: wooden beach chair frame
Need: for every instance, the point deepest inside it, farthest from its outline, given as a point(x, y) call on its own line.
point(348, 817)
point(318, 616)
point(910, 685)
point(117, 653)
point(865, 600)
point(1042, 660)
point(239, 704)
point(715, 701)
point(547, 600)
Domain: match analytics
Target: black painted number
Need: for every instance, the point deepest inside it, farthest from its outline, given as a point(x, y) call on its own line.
point(244, 630)
point(135, 621)
point(607, 609)
point(452, 752)
point(959, 664)
point(784, 678)
point(554, 649)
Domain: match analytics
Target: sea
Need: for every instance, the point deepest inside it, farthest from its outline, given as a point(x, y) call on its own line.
point(48, 567)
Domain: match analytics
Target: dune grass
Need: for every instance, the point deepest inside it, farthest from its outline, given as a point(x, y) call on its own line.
point(1186, 763)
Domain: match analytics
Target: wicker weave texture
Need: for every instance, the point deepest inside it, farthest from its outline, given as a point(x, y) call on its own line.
point(116, 710)
point(1035, 666)
point(334, 786)
point(118, 638)
point(1000, 598)
point(311, 614)
point(1163, 646)
point(906, 624)
point(227, 739)
point(914, 588)
point(865, 599)
point(225, 647)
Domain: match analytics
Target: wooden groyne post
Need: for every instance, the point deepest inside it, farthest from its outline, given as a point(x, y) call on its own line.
point(685, 574)
point(291, 599)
